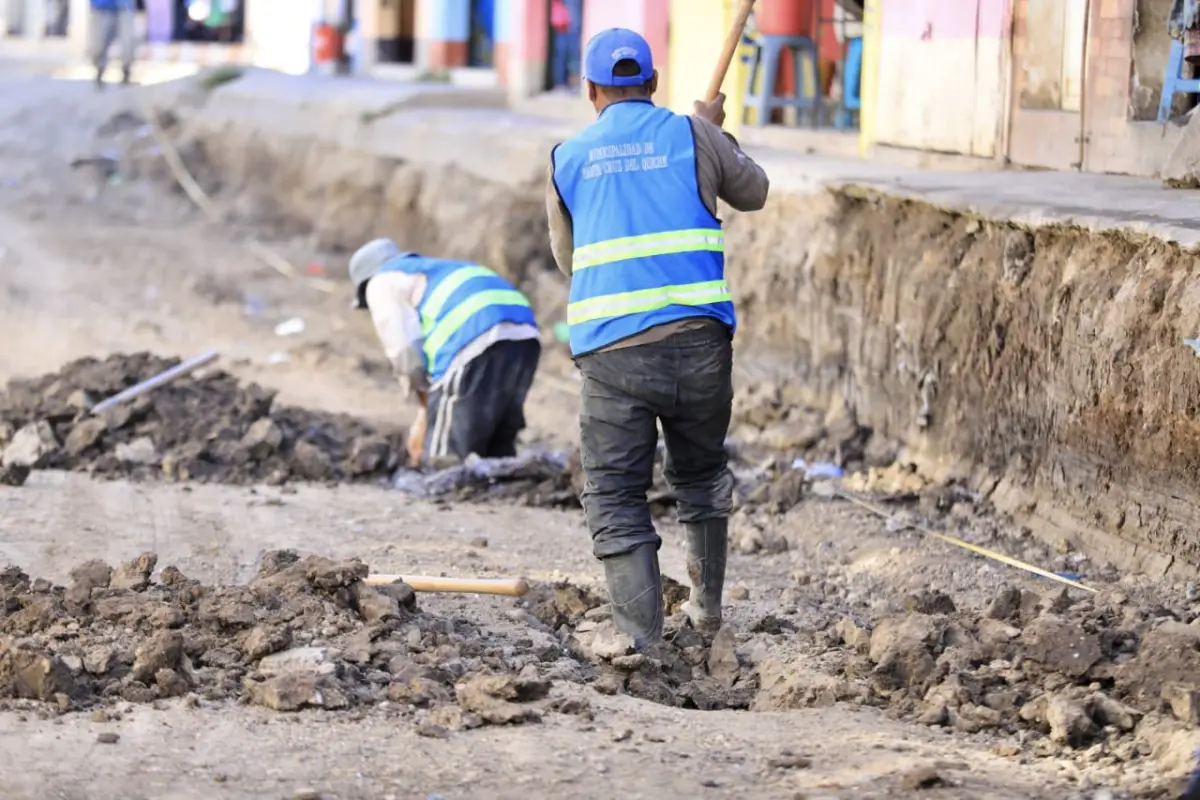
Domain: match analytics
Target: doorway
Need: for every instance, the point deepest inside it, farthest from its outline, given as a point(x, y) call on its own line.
point(563, 66)
point(397, 31)
point(1048, 84)
point(481, 37)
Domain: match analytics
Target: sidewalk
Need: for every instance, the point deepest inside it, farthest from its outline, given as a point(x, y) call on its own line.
point(470, 129)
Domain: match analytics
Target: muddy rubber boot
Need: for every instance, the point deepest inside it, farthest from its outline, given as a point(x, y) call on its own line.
point(635, 587)
point(707, 548)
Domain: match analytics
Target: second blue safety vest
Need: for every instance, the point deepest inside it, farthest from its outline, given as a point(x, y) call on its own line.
point(647, 249)
point(462, 301)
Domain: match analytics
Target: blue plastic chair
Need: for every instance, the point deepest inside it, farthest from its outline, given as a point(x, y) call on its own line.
point(851, 83)
point(764, 62)
point(1174, 83)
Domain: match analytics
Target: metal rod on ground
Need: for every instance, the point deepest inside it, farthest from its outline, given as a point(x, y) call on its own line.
point(983, 551)
point(162, 378)
point(509, 587)
point(732, 41)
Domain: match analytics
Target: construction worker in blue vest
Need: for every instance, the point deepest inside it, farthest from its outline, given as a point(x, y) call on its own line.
point(632, 206)
point(460, 337)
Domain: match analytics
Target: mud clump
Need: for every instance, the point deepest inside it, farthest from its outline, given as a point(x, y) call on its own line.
point(205, 428)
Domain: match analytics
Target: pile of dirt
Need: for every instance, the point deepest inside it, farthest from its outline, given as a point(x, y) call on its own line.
point(203, 427)
point(309, 633)
point(305, 633)
point(1103, 680)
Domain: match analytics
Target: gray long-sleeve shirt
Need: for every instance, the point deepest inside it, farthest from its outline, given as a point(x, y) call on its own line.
point(723, 172)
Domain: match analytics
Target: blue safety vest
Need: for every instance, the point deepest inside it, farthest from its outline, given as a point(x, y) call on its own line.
point(647, 250)
point(462, 301)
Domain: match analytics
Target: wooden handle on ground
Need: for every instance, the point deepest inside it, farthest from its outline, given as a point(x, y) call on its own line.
point(727, 53)
point(509, 587)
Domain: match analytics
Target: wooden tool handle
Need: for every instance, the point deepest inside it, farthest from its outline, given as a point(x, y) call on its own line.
point(509, 587)
point(727, 53)
point(414, 444)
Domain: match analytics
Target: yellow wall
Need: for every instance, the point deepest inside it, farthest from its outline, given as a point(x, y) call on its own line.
point(698, 31)
point(869, 82)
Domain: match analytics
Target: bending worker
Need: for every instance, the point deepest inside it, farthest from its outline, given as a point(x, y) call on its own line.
point(632, 205)
point(457, 334)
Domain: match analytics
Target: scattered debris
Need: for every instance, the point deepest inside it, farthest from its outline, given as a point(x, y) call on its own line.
point(290, 327)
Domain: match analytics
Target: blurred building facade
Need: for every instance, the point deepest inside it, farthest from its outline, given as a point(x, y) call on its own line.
point(1059, 84)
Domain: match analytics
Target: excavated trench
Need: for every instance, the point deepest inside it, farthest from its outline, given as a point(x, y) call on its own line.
point(1045, 368)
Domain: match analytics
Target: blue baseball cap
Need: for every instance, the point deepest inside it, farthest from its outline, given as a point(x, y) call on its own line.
point(617, 44)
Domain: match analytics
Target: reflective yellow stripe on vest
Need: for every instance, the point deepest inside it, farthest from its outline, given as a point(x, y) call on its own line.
point(431, 308)
point(653, 244)
point(442, 332)
point(618, 305)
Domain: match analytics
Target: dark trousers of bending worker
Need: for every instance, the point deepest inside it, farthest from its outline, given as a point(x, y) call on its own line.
point(481, 408)
point(683, 382)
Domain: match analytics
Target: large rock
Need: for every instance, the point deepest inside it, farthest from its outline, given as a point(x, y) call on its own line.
point(299, 660)
point(30, 446)
point(1061, 646)
point(262, 439)
point(903, 648)
point(94, 574)
point(502, 699)
point(311, 462)
point(84, 435)
point(161, 651)
point(1169, 655)
point(296, 691)
point(33, 675)
point(1069, 721)
point(140, 451)
point(786, 685)
point(370, 454)
point(373, 605)
point(13, 474)
point(263, 640)
point(135, 575)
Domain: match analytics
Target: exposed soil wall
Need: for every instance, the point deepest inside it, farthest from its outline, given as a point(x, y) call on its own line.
point(1047, 367)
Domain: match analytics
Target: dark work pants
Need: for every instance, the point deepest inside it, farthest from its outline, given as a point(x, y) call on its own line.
point(481, 409)
point(685, 382)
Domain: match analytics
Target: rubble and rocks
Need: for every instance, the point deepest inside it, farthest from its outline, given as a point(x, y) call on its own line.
point(206, 427)
point(307, 633)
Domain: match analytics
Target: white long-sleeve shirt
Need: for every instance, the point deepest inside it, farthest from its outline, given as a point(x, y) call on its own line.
point(393, 297)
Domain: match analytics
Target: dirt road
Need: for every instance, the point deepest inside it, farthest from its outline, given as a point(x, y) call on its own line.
point(91, 265)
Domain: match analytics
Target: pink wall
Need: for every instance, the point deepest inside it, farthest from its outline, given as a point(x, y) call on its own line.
point(647, 17)
point(656, 29)
point(537, 31)
point(601, 14)
point(931, 20)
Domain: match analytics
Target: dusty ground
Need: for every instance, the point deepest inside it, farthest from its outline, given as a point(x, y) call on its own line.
point(862, 680)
